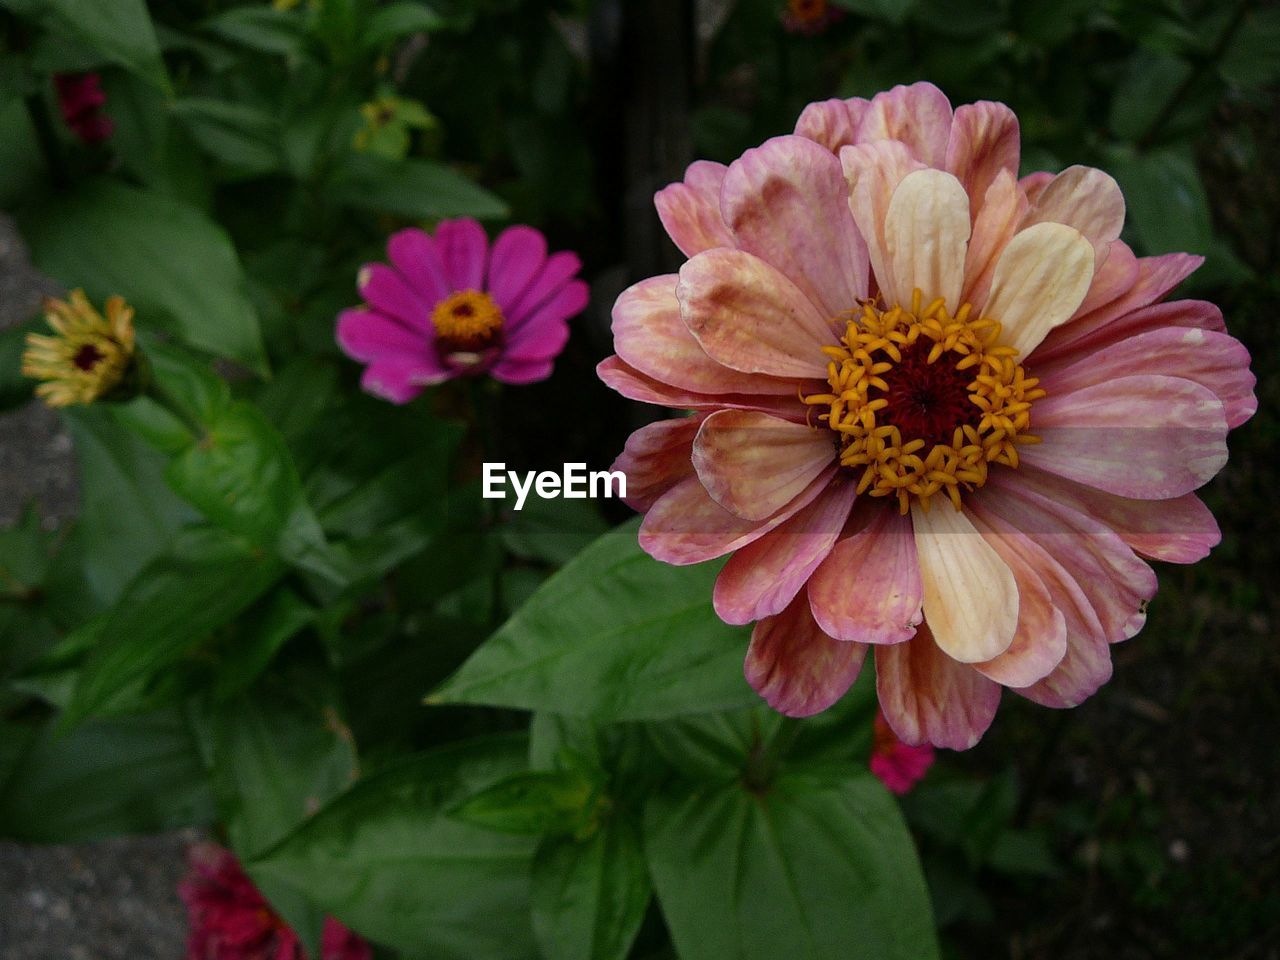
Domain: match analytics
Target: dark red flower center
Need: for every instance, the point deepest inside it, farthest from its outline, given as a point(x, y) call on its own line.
point(927, 400)
point(87, 357)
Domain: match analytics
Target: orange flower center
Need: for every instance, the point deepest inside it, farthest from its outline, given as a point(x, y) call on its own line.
point(467, 322)
point(924, 401)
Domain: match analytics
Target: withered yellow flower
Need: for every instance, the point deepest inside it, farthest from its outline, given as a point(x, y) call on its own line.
point(88, 354)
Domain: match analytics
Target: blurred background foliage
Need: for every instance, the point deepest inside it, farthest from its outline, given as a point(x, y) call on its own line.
point(263, 152)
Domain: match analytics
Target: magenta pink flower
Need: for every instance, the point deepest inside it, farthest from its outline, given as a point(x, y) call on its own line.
point(448, 306)
point(939, 412)
point(81, 99)
point(231, 920)
point(899, 766)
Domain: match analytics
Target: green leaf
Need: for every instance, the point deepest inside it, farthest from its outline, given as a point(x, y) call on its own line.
point(615, 635)
point(893, 11)
point(243, 137)
point(239, 474)
point(396, 20)
point(418, 189)
point(1253, 58)
point(121, 30)
point(533, 803)
point(388, 860)
point(1149, 83)
point(127, 775)
point(553, 530)
point(127, 513)
point(269, 625)
point(260, 28)
point(205, 580)
point(1167, 204)
point(819, 866)
point(282, 751)
point(173, 265)
point(589, 897)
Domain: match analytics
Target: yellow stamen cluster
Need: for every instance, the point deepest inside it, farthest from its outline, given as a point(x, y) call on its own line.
point(88, 355)
point(893, 465)
point(467, 320)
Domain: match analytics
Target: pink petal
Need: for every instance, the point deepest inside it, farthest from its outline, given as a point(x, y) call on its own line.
point(1117, 583)
point(559, 269)
point(1112, 280)
point(984, 142)
point(997, 221)
point(1086, 662)
point(868, 588)
point(634, 385)
point(1181, 530)
point(413, 253)
point(1033, 184)
point(787, 203)
point(918, 115)
point(367, 335)
point(929, 698)
point(1216, 361)
point(650, 336)
point(796, 667)
point(901, 767)
point(832, 123)
point(518, 255)
point(1147, 437)
point(520, 372)
point(762, 578)
point(537, 341)
point(873, 172)
point(748, 316)
point(1156, 277)
point(544, 332)
point(1084, 198)
point(1040, 641)
point(400, 379)
point(389, 292)
point(464, 251)
point(1184, 314)
point(754, 465)
point(686, 526)
point(690, 211)
point(656, 458)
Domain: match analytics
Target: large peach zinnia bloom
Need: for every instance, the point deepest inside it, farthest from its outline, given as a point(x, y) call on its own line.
point(938, 411)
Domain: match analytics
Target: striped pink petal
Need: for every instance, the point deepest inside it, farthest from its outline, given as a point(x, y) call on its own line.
point(786, 202)
point(762, 578)
point(868, 588)
point(656, 458)
point(832, 123)
point(929, 698)
point(918, 115)
point(690, 211)
point(797, 668)
point(754, 465)
point(984, 142)
point(873, 172)
point(748, 316)
point(1147, 437)
point(634, 385)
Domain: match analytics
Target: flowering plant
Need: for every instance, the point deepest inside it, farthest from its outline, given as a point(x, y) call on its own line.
point(355, 317)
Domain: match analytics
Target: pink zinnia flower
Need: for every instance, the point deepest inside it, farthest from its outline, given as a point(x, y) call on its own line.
point(939, 412)
point(899, 766)
point(448, 306)
point(231, 920)
point(80, 98)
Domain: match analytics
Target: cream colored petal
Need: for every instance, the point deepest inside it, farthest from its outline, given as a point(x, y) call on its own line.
point(1040, 279)
point(873, 171)
point(970, 595)
point(927, 234)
